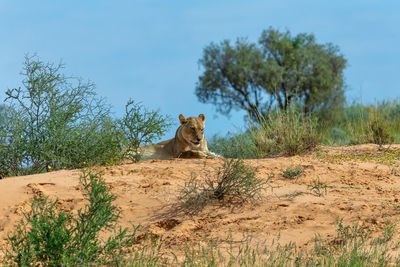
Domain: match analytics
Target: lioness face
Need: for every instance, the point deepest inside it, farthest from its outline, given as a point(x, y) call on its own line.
point(193, 129)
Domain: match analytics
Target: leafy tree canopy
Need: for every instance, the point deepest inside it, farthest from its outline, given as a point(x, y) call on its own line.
point(277, 71)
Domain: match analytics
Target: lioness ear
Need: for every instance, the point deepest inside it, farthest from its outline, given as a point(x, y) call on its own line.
point(182, 119)
point(202, 117)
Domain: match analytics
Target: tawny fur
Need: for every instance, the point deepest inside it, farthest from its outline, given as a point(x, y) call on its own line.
point(189, 142)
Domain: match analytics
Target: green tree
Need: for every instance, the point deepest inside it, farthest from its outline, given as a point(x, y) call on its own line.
point(278, 70)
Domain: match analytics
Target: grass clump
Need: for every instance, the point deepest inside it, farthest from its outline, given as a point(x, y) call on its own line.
point(318, 188)
point(293, 171)
point(379, 127)
point(286, 132)
point(233, 181)
point(351, 246)
point(49, 236)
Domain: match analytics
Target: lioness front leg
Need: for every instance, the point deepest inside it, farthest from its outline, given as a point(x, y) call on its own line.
point(196, 154)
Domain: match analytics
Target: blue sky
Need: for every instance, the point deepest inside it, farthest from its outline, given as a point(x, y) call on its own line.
point(149, 50)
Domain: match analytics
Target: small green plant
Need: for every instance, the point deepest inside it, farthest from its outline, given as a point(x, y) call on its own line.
point(294, 194)
point(318, 188)
point(234, 181)
point(141, 127)
point(51, 237)
point(293, 171)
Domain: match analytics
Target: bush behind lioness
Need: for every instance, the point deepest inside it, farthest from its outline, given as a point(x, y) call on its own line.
point(189, 142)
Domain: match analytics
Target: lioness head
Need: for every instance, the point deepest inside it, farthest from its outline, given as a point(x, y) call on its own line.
point(193, 129)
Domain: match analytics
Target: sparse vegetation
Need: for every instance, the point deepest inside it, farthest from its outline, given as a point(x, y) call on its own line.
point(379, 127)
point(286, 132)
point(351, 246)
point(318, 188)
point(233, 181)
point(141, 127)
point(292, 133)
point(293, 171)
point(52, 237)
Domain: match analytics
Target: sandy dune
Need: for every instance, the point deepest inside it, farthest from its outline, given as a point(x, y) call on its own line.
point(362, 186)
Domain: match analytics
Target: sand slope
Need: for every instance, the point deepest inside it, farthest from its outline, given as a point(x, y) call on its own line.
point(362, 187)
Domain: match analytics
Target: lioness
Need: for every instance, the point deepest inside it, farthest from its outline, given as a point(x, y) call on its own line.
point(189, 142)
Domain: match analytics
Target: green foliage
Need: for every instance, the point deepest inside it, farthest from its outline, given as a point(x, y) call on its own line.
point(233, 181)
point(360, 124)
point(237, 180)
point(293, 171)
point(286, 132)
point(89, 144)
point(53, 122)
point(49, 236)
point(234, 146)
point(141, 127)
point(281, 69)
point(289, 132)
point(379, 127)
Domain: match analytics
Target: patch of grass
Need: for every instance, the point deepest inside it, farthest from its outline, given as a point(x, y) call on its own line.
point(388, 233)
point(234, 146)
point(360, 124)
point(233, 181)
point(318, 188)
point(351, 246)
point(285, 133)
point(49, 236)
point(387, 157)
point(293, 171)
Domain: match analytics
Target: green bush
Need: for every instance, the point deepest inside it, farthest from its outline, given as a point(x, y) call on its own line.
point(140, 127)
point(48, 236)
point(233, 181)
point(285, 133)
point(54, 122)
point(380, 128)
point(88, 144)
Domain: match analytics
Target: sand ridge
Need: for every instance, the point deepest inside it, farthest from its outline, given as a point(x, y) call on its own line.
point(358, 189)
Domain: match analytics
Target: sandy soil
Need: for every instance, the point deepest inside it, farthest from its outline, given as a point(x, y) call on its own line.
point(363, 186)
